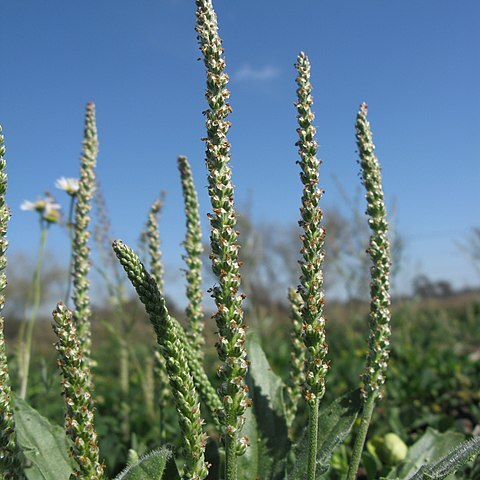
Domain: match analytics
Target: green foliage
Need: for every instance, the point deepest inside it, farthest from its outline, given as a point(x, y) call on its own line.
point(450, 462)
point(265, 425)
point(45, 446)
point(433, 365)
point(335, 422)
point(156, 465)
point(430, 448)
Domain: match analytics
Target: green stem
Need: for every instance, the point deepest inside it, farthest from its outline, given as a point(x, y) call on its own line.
point(27, 347)
point(312, 440)
point(70, 234)
point(230, 457)
point(361, 436)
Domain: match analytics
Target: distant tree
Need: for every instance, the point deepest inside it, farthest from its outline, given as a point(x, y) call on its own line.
point(471, 247)
point(423, 287)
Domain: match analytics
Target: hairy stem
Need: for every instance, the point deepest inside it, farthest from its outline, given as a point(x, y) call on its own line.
point(368, 407)
point(312, 440)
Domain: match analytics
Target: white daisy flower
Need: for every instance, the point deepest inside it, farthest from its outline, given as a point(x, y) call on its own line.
point(27, 205)
point(46, 207)
point(70, 185)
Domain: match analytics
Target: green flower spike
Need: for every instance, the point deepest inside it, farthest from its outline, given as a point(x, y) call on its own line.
point(153, 239)
point(297, 356)
point(77, 396)
point(311, 280)
point(223, 239)
point(379, 250)
point(169, 340)
point(10, 456)
point(81, 250)
point(193, 258)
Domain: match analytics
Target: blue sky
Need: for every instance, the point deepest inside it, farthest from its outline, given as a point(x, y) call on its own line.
point(415, 63)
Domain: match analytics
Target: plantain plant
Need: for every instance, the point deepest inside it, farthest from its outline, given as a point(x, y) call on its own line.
point(257, 431)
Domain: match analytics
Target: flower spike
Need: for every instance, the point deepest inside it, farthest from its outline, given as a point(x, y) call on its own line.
point(173, 350)
point(81, 250)
point(193, 258)
point(379, 250)
point(223, 239)
point(311, 264)
point(10, 456)
point(77, 396)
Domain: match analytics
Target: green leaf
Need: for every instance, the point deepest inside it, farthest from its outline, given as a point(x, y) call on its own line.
point(334, 424)
point(265, 424)
point(248, 462)
point(156, 465)
point(451, 462)
point(430, 448)
point(45, 446)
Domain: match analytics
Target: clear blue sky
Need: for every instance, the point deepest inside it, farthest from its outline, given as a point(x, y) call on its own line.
point(416, 63)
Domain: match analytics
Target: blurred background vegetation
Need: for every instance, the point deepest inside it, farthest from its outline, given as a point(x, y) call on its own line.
point(434, 372)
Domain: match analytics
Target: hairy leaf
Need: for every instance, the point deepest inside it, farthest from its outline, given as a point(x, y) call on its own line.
point(44, 445)
point(451, 462)
point(265, 425)
point(334, 424)
point(430, 448)
point(156, 465)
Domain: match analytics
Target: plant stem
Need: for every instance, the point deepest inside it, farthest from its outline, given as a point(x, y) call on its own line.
point(230, 458)
point(361, 436)
point(37, 288)
point(312, 440)
point(70, 234)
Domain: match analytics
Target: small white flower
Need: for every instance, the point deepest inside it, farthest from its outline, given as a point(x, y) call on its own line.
point(70, 185)
point(51, 212)
point(46, 207)
point(27, 205)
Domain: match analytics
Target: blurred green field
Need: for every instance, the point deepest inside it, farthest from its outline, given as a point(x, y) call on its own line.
point(433, 377)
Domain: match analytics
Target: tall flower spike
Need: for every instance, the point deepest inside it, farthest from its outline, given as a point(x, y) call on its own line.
point(181, 381)
point(10, 460)
point(379, 250)
point(77, 396)
point(297, 356)
point(81, 250)
point(311, 279)
point(153, 237)
point(193, 258)
point(223, 239)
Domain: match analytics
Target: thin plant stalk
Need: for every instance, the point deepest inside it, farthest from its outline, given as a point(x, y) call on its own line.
point(81, 250)
point(153, 239)
point(224, 242)
point(380, 315)
point(26, 342)
point(193, 258)
point(71, 210)
point(10, 455)
point(311, 264)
